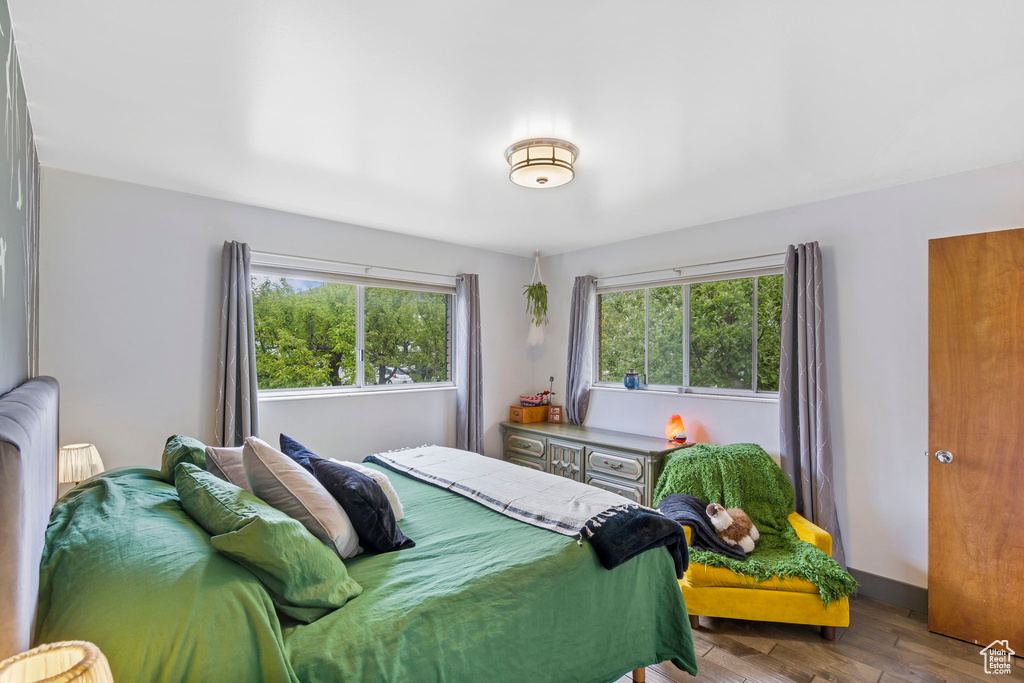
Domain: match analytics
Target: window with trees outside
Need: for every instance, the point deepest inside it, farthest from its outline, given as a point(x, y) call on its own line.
point(719, 336)
point(317, 333)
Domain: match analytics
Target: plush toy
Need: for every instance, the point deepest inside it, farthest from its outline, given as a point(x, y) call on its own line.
point(733, 526)
point(674, 430)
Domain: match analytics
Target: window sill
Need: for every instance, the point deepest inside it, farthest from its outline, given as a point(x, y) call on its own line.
point(750, 398)
point(273, 395)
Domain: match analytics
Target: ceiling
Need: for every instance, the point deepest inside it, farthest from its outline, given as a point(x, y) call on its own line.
point(395, 115)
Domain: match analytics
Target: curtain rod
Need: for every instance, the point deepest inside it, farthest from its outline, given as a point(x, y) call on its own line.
point(678, 269)
point(365, 266)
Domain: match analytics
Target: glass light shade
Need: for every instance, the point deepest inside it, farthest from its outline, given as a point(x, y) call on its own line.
point(77, 462)
point(73, 660)
point(542, 162)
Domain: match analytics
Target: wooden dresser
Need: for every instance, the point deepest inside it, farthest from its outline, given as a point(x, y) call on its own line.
point(626, 464)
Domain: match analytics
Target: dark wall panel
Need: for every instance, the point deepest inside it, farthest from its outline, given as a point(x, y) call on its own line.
point(19, 223)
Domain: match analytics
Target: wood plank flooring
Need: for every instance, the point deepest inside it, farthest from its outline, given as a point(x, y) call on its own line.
point(884, 644)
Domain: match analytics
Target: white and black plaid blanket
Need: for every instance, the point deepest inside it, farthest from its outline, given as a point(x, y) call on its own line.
point(617, 527)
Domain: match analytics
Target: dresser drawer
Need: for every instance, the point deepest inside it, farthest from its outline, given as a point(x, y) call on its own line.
point(620, 465)
point(565, 459)
point(519, 443)
point(527, 462)
point(633, 493)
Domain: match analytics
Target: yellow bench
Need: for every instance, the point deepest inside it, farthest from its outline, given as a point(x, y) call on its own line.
point(719, 592)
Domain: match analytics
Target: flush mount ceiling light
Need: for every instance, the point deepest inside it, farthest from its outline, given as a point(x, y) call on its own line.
point(541, 162)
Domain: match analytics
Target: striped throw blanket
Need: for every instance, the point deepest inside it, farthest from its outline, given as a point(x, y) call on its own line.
point(617, 527)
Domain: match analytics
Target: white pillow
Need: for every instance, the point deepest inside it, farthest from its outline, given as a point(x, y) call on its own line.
point(282, 483)
point(382, 479)
point(226, 463)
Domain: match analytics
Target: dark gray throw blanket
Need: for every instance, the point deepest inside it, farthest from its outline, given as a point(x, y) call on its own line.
point(635, 529)
point(692, 512)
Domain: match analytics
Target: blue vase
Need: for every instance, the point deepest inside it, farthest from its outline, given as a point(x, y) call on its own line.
point(632, 380)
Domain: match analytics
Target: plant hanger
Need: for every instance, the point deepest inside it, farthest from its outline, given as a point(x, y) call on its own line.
point(536, 294)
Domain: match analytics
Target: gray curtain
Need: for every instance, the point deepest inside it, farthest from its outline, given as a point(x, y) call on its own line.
point(804, 425)
point(579, 370)
point(237, 400)
point(469, 392)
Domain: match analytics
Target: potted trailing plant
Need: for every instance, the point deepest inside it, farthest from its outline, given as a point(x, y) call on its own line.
point(536, 294)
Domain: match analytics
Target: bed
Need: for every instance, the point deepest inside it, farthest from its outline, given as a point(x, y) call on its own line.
point(28, 487)
point(480, 596)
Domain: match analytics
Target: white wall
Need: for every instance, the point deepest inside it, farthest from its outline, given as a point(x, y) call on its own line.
point(130, 302)
point(129, 292)
point(875, 247)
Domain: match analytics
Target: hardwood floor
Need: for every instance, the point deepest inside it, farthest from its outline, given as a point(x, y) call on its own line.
point(884, 644)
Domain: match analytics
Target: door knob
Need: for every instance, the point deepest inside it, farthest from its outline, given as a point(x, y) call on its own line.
point(945, 457)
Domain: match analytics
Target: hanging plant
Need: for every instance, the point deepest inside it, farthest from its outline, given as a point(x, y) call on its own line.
point(536, 295)
point(537, 302)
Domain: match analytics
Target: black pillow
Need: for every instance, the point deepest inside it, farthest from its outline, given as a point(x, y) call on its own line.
point(365, 503)
point(297, 452)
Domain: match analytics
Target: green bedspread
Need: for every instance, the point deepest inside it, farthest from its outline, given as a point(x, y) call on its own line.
point(480, 597)
point(126, 568)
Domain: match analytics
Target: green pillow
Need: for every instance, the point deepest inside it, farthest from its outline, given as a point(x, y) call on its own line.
point(305, 578)
point(181, 449)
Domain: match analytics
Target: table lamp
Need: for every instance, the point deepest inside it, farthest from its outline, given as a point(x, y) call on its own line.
point(77, 462)
point(674, 429)
point(73, 660)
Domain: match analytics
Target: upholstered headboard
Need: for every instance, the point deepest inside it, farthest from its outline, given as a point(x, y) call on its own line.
point(28, 489)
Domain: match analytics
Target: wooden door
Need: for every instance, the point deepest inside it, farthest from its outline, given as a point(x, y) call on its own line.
point(976, 414)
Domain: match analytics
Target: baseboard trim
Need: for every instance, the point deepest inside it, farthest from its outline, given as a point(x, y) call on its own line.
point(891, 591)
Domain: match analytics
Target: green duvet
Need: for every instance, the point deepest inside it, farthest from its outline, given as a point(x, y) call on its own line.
point(480, 597)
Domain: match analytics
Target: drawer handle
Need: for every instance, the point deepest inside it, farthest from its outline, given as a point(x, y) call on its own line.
point(520, 444)
point(618, 466)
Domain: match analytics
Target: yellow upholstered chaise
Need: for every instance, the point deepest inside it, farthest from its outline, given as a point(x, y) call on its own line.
point(719, 592)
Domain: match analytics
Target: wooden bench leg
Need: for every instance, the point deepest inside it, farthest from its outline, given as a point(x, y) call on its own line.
point(828, 632)
point(694, 621)
point(640, 675)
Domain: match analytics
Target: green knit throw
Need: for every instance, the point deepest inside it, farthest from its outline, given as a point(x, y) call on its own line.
point(744, 476)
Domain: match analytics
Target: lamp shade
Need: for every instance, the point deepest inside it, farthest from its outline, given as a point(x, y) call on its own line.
point(77, 462)
point(73, 660)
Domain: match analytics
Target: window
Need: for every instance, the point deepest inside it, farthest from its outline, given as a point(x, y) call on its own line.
point(720, 335)
point(313, 333)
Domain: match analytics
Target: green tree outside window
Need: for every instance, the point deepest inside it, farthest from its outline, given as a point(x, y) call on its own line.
point(649, 326)
point(306, 334)
point(620, 334)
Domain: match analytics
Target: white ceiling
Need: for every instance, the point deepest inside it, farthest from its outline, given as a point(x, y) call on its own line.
point(396, 114)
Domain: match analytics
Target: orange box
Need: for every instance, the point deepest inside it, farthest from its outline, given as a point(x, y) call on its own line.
point(526, 414)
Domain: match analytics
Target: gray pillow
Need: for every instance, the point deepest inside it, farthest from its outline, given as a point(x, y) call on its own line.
point(226, 463)
point(282, 483)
